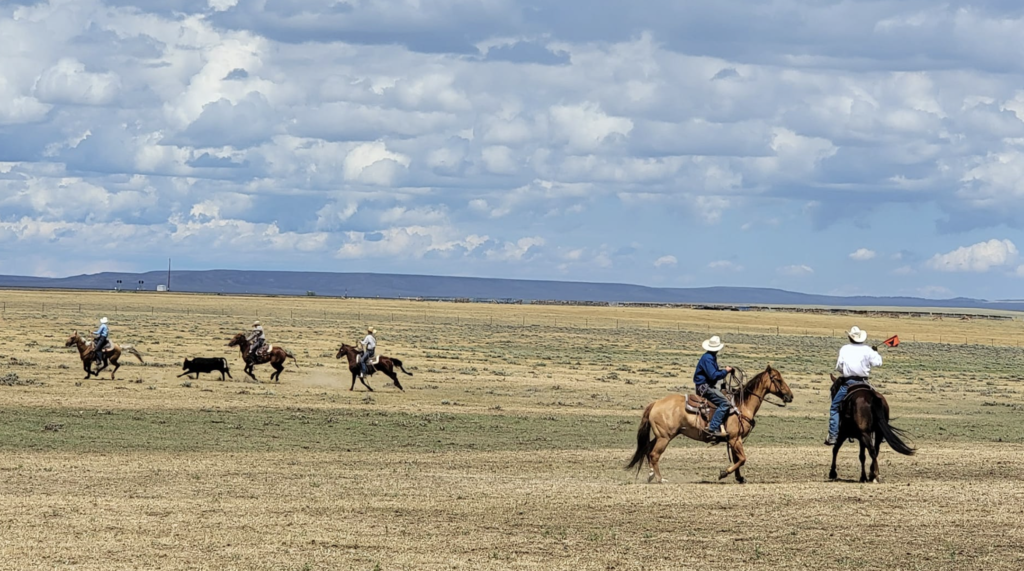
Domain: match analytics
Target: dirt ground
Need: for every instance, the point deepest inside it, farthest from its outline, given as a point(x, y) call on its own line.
point(506, 450)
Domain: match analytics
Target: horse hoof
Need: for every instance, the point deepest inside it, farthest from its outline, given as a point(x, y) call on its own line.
point(723, 474)
point(741, 480)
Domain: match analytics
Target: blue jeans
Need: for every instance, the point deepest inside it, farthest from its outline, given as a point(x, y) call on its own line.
point(364, 361)
point(833, 411)
point(718, 399)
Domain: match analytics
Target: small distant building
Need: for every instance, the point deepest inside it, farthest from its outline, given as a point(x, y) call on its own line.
point(161, 287)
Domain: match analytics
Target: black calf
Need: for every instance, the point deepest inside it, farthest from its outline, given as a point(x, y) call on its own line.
point(206, 365)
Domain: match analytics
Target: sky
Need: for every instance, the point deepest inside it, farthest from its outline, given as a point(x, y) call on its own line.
point(836, 147)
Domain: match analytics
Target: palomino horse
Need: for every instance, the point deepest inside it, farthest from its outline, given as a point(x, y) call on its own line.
point(113, 354)
point(864, 416)
point(276, 357)
point(385, 365)
point(667, 417)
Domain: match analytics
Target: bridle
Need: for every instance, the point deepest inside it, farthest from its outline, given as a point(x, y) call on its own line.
point(774, 386)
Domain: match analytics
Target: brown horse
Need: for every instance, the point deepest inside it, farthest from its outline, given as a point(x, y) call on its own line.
point(385, 365)
point(276, 357)
point(667, 417)
point(113, 354)
point(864, 416)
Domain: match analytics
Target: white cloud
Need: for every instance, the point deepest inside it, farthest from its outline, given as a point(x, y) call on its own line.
point(863, 255)
point(585, 126)
point(372, 163)
point(725, 266)
point(666, 261)
point(980, 257)
point(796, 270)
point(407, 242)
point(514, 251)
point(67, 81)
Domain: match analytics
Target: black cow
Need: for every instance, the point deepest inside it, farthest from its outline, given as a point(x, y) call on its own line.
point(206, 365)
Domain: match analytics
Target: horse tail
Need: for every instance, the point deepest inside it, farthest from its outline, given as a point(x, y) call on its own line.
point(131, 349)
point(398, 364)
point(644, 443)
point(288, 353)
point(893, 436)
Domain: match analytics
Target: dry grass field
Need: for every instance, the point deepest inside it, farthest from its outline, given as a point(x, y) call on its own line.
point(505, 451)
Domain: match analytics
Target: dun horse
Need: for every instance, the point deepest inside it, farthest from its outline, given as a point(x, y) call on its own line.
point(276, 357)
point(668, 417)
point(864, 416)
point(385, 365)
point(85, 352)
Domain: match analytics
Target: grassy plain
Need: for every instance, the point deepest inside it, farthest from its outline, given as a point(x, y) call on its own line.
point(505, 451)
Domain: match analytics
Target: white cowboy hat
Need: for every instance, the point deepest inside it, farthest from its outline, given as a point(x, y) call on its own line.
point(857, 335)
point(103, 320)
point(255, 323)
point(371, 330)
point(714, 344)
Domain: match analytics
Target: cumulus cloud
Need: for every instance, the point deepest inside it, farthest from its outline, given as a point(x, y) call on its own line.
point(67, 81)
point(863, 255)
point(979, 258)
point(669, 260)
point(796, 270)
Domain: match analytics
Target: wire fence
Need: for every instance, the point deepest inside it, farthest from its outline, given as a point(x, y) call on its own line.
point(302, 314)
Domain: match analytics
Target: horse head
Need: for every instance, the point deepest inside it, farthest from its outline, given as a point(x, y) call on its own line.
point(835, 384)
point(73, 340)
point(345, 349)
point(778, 386)
point(237, 340)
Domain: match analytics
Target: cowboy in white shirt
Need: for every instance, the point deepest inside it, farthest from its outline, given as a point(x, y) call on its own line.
point(369, 346)
point(854, 366)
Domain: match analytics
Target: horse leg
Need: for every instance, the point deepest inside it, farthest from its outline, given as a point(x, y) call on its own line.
point(248, 371)
point(87, 365)
point(353, 381)
point(654, 457)
point(873, 450)
point(863, 448)
point(276, 375)
point(832, 474)
point(736, 446)
point(394, 379)
point(363, 380)
point(116, 367)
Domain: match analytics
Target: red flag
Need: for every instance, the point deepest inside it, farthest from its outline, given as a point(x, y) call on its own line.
point(892, 341)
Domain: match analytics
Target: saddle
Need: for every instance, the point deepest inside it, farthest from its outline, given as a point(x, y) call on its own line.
point(374, 360)
point(703, 407)
point(264, 351)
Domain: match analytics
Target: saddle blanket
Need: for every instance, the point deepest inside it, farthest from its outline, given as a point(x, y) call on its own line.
point(375, 359)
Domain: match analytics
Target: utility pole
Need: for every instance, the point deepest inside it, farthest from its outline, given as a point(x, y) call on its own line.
point(168, 274)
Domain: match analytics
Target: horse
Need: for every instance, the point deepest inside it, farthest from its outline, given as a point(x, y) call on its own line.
point(385, 365)
point(85, 352)
point(667, 417)
point(864, 416)
point(276, 357)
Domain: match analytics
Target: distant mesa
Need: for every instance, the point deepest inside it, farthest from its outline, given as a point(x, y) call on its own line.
point(443, 287)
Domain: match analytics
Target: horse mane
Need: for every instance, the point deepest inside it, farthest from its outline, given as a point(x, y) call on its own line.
point(754, 380)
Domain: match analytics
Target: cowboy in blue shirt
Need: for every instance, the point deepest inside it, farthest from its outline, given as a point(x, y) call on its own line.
point(100, 341)
point(706, 377)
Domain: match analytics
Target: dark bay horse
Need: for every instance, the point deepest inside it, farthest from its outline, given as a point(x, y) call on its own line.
point(864, 416)
point(667, 417)
point(276, 357)
point(113, 354)
point(385, 365)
